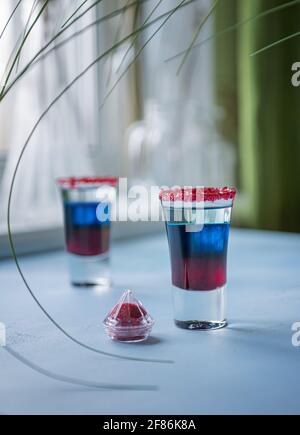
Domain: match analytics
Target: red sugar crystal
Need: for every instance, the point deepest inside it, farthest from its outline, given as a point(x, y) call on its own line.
point(189, 194)
point(75, 182)
point(129, 314)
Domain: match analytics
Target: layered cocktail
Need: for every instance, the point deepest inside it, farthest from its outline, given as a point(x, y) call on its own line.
point(197, 223)
point(87, 210)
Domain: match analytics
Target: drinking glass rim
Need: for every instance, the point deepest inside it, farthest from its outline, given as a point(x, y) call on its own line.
point(74, 182)
point(199, 194)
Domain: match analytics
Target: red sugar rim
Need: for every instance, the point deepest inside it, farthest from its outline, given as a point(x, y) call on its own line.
point(73, 182)
point(190, 194)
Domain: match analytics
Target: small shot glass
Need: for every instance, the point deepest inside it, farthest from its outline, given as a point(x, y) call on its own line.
point(198, 225)
point(87, 203)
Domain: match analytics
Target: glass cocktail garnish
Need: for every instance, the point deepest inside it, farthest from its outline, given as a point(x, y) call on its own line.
point(128, 321)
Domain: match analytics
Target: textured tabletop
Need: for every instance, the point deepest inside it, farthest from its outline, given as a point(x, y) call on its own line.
point(249, 367)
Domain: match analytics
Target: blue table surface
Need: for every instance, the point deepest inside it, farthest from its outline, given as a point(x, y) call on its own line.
point(249, 367)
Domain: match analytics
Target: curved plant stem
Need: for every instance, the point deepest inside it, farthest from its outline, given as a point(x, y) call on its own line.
point(22, 45)
point(74, 13)
point(15, 258)
point(274, 44)
point(11, 57)
point(93, 5)
point(136, 36)
point(40, 52)
point(117, 36)
point(10, 236)
point(14, 255)
point(197, 32)
point(83, 30)
point(169, 15)
point(10, 18)
point(237, 25)
point(34, 5)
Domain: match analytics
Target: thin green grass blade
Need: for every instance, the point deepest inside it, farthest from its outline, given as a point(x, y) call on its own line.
point(42, 53)
point(34, 5)
point(117, 36)
point(197, 32)
point(136, 36)
point(274, 44)
point(22, 45)
point(83, 30)
point(74, 13)
point(11, 57)
point(10, 18)
point(237, 25)
point(170, 14)
point(3, 90)
point(93, 5)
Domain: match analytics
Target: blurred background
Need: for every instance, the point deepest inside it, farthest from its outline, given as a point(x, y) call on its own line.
point(149, 109)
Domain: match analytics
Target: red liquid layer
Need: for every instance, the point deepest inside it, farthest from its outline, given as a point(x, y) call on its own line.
point(199, 273)
point(88, 240)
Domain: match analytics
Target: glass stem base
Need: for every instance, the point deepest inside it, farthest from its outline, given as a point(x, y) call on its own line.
point(200, 310)
point(87, 271)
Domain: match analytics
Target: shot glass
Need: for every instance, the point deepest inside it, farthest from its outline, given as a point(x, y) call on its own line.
point(197, 224)
point(87, 206)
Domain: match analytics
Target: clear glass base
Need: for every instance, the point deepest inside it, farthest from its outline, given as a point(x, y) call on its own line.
point(201, 310)
point(200, 325)
point(88, 271)
point(123, 338)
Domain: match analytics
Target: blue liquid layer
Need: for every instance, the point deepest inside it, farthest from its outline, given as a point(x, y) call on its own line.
point(86, 213)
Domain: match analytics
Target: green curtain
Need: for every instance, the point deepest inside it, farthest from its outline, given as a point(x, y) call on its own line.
point(268, 109)
point(226, 69)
